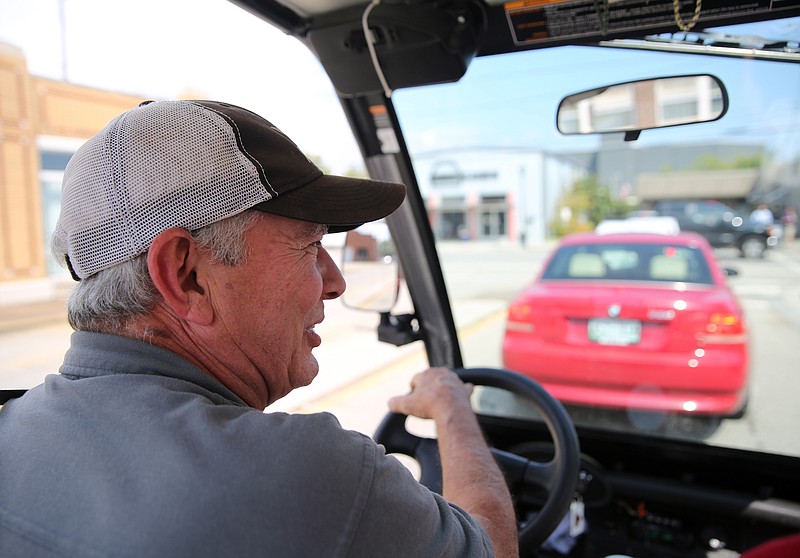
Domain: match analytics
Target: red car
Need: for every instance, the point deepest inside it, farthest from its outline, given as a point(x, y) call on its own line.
point(632, 321)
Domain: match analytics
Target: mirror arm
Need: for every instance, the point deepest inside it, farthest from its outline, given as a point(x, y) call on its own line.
point(398, 330)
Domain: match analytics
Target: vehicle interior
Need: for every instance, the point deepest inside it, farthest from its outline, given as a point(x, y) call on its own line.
point(419, 81)
point(513, 124)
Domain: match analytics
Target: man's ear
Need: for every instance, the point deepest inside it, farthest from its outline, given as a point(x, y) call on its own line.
point(176, 268)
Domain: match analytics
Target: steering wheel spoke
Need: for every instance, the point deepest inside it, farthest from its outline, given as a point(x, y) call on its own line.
point(520, 471)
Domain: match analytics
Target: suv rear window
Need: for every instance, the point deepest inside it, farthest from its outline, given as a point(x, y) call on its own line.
point(700, 211)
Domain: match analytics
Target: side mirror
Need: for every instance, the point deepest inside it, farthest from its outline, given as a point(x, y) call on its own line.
point(647, 104)
point(370, 268)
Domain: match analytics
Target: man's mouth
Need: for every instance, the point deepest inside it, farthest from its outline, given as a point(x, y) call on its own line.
point(313, 337)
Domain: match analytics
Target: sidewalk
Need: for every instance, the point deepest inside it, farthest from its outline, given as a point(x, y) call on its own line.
point(789, 307)
point(33, 303)
point(31, 315)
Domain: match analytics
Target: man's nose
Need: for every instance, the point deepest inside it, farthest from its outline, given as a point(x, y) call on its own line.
point(333, 283)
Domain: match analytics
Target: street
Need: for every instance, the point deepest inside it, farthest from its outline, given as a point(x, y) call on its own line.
point(358, 374)
point(769, 290)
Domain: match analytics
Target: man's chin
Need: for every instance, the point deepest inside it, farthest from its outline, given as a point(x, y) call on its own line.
point(311, 369)
point(297, 380)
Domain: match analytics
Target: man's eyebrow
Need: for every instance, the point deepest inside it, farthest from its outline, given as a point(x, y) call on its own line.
point(314, 230)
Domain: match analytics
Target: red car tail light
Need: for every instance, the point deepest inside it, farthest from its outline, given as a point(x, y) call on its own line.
point(725, 328)
point(520, 318)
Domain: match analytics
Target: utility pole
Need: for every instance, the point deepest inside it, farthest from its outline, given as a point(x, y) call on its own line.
point(62, 25)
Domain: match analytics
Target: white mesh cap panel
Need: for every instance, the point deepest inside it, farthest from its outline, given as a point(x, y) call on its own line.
point(162, 165)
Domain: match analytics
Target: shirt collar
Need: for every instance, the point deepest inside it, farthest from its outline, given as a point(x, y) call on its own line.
point(99, 354)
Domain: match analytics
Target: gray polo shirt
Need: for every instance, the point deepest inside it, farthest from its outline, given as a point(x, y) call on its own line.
point(133, 451)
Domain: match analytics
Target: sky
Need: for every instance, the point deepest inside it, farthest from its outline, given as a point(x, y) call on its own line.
point(166, 48)
point(214, 49)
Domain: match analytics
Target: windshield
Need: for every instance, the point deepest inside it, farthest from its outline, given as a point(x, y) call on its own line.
point(503, 189)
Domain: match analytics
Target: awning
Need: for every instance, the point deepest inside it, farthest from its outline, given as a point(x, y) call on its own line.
point(729, 183)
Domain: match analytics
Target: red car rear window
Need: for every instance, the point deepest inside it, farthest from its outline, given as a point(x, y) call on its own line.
point(630, 262)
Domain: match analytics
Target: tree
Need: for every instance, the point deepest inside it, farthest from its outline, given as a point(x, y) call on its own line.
point(317, 160)
point(587, 202)
point(354, 172)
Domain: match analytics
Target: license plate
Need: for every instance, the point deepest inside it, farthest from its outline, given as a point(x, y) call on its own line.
point(614, 332)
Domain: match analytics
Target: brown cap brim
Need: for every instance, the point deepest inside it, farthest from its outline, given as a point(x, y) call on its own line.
point(343, 203)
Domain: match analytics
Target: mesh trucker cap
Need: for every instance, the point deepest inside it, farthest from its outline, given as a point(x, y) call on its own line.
point(188, 164)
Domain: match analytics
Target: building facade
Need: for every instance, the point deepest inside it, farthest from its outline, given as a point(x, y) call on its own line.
point(42, 123)
point(493, 193)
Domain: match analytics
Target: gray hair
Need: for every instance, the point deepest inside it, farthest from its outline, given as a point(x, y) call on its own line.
point(108, 300)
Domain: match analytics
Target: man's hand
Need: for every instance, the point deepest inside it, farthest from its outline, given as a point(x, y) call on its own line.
point(435, 393)
point(470, 476)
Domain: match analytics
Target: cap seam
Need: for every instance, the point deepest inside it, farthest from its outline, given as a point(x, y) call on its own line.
point(121, 210)
point(240, 143)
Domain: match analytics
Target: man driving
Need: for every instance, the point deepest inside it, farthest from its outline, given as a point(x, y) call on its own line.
point(194, 231)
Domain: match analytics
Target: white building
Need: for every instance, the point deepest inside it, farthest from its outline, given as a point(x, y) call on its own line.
point(493, 193)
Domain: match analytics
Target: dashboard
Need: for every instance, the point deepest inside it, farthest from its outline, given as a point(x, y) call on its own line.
point(644, 497)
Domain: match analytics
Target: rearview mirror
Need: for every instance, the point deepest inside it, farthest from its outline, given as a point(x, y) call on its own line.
point(643, 105)
point(370, 268)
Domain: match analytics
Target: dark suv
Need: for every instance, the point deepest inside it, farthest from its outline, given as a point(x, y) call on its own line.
point(719, 224)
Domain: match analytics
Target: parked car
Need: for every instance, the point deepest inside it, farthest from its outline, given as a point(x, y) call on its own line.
point(639, 223)
point(632, 321)
point(721, 225)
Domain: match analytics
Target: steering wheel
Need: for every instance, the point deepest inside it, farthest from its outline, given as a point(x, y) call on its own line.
point(556, 478)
